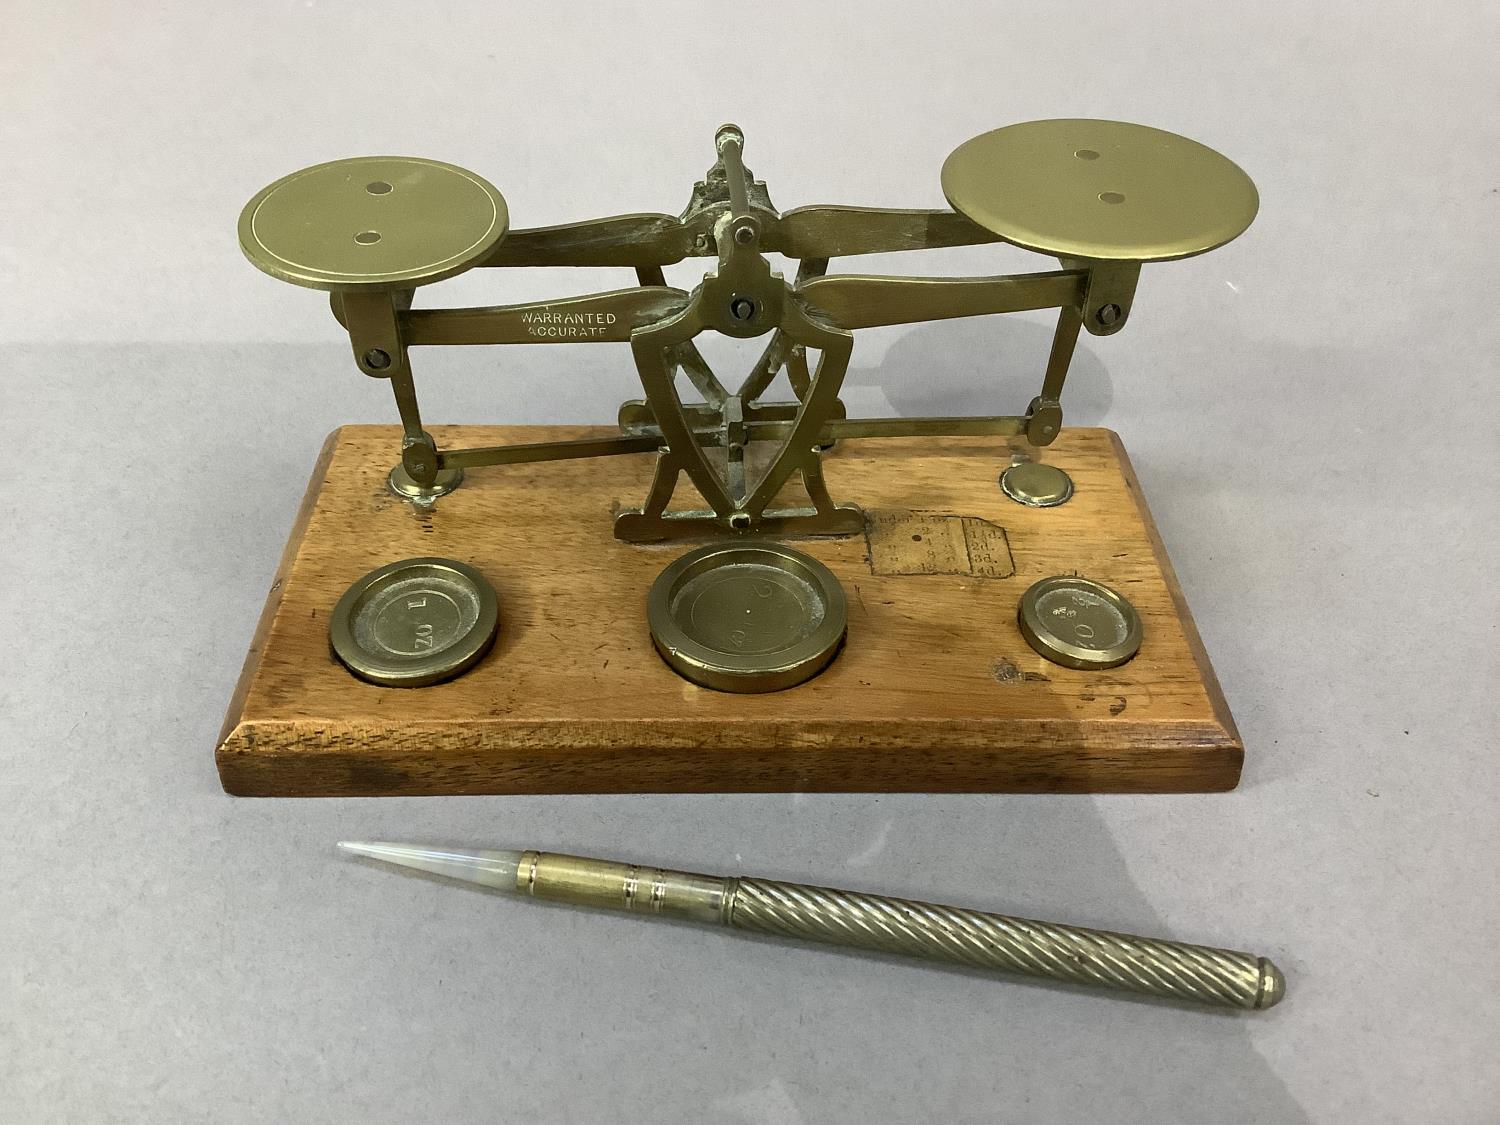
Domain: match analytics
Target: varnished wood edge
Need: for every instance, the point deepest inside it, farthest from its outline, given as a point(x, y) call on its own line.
point(308, 759)
point(234, 715)
point(1169, 575)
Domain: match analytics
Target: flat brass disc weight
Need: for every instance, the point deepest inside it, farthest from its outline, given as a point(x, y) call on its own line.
point(1079, 623)
point(1105, 190)
point(747, 617)
point(371, 223)
point(415, 622)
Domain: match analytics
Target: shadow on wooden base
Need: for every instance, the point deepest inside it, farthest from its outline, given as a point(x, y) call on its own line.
point(935, 691)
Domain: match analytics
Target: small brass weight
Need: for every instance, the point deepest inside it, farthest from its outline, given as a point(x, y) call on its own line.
point(1101, 197)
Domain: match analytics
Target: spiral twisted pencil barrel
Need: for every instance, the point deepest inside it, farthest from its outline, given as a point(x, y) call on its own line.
point(1015, 945)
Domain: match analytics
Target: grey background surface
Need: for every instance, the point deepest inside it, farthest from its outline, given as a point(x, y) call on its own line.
point(1311, 411)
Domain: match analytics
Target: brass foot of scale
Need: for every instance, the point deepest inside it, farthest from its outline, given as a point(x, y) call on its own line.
point(400, 483)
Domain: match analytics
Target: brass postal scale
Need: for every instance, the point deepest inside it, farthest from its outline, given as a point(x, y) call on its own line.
point(723, 591)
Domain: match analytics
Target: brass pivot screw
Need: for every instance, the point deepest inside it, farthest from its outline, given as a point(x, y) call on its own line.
point(1108, 315)
point(742, 308)
point(377, 359)
point(1043, 421)
point(419, 457)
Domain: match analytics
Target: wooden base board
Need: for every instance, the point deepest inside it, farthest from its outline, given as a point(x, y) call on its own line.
point(936, 690)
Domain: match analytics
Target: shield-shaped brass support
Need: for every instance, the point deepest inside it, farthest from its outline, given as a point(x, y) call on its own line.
point(736, 502)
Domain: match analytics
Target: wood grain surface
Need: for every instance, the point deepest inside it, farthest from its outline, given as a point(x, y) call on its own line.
point(936, 690)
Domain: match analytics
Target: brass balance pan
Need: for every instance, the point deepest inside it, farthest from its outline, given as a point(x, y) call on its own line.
point(372, 223)
point(1103, 190)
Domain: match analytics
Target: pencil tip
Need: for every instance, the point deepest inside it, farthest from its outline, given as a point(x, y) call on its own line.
point(488, 868)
